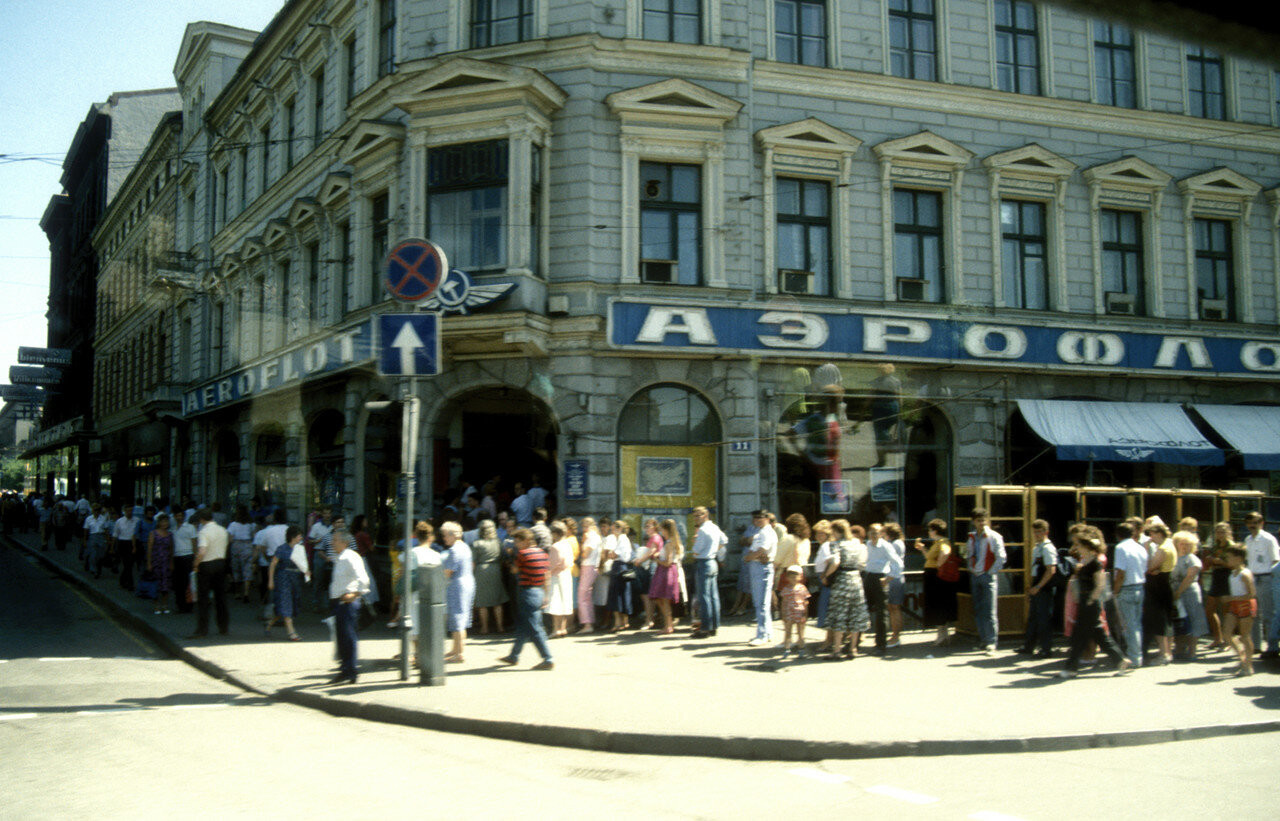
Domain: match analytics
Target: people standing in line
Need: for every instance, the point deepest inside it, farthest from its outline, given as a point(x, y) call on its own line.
point(743, 585)
point(793, 548)
point(709, 546)
point(588, 569)
point(1092, 580)
point(317, 548)
point(622, 577)
point(875, 582)
point(286, 576)
point(939, 594)
point(1157, 606)
point(559, 592)
point(891, 533)
point(1263, 559)
point(184, 549)
point(820, 539)
point(759, 562)
point(604, 574)
point(531, 565)
point(62, 519)
point(664, 588)
point(1242, 608)
point(96, 528)
point(522, 507)
point(1215, 563)
point(847, 614)
point(124, 546)
point(240, 553)
point(210, 565)
point(348, 583)
point(1128, 577)
point(160, 562)
point(793, 607)
point(643, 561)
point(460, 592)
point(1190, 624)
point(146, 524)
point(486, 568)
point(986, 557)
point(1044, 576)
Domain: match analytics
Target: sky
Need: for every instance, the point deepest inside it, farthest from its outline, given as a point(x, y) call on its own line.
point(57, 58)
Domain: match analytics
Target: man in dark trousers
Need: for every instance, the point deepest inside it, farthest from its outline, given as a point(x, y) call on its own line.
point(211, 574)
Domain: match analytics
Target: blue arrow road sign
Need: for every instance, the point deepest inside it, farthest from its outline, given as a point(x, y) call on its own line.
point(409, 344)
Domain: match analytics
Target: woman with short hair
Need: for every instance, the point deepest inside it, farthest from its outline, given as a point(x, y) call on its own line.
point(456, 561)
point(486, 570)
point(664, 589)
point(588, 569)
point(560, 580)
point(847, 615)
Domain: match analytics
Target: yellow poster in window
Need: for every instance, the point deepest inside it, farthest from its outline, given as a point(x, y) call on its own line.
point(667, 481)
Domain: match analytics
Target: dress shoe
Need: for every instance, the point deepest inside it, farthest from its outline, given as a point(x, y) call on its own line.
point(342, 679)
point(545, 665)
point(508, 660)
point(699, 634)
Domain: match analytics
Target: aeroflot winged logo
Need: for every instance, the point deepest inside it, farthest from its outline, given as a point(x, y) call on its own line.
point(457, 295)
point(1134, 454)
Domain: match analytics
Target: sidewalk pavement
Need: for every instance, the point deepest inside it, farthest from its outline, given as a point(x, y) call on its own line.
point(647, 693)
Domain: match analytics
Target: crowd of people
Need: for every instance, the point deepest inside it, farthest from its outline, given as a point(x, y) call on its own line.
point(1151, 597)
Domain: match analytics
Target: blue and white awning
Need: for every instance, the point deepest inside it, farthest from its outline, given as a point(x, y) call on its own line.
point(1254, 430)
point(1119, 432)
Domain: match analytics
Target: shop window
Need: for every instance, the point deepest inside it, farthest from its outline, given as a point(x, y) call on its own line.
point(1024, 255)
point(1206, 84)
point(913, 44)
point(668, 415)
point(467, 203)
point(1017, 47)
point(494, 22)
point(673, 21)
point(800, 32)
point(1115, 72)
point(670, 223)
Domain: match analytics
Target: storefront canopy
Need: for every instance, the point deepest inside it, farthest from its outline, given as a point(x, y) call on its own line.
point(1119, 432)
point(1253, 430)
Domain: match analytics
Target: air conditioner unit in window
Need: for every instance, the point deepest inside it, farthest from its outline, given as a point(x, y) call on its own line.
point(793, 281)
point(1213, 309)
point(661, 271)
point(1118, 302)
point(910, 290)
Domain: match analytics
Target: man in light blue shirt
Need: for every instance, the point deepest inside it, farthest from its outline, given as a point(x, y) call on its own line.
point(708, 552)
point(1129, 577)
point(759, 562)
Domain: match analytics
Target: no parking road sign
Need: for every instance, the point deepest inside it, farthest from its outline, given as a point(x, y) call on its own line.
point(414, 269)
point(409, 344)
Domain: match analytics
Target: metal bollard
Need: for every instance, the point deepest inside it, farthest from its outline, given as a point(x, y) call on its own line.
point(429, 585)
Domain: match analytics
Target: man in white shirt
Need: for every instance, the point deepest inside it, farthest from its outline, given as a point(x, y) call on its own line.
point(985, 552)
point(96, 528)
point(211, 574)
point(1262, 554)
point(708, 551)
point(349, 583)
point(184, 556)
point(124, 545)
point(758, 561)
point(1129, 577)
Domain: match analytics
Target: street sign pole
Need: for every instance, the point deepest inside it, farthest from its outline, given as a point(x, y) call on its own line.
point(409, 404)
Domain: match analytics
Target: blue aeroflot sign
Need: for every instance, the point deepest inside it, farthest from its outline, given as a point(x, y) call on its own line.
point(790, 331)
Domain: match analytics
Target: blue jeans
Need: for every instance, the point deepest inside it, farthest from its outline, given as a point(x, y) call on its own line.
point(982, 587)
point(1129, 603)
point(344, 624)
point(761, 577)
point(708, 581)
point(529, 622)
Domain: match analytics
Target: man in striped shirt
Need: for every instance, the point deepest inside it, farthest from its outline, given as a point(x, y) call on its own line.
point(532, 565)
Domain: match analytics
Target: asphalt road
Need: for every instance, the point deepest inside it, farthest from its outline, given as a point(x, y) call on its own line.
point(95, 723)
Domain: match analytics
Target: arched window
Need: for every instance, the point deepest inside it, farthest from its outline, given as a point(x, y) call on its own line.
point(668, 415)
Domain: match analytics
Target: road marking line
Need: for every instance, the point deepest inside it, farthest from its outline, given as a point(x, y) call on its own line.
point(66, 658)
point(988, 815)
point(16, 716)
point(903, 795)
point(820, 775)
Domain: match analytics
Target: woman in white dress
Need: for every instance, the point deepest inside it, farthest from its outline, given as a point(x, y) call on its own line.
point(560, 580)
point(588, 570)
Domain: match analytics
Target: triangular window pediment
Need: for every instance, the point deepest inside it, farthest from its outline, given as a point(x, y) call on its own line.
point(277, 232)
point(1128, 172)
point(371, 137)
point(1031, 160)
point(334, 186)
point(925, 147)
point(1222, 183)
point(303, 209)
point(673, 97)
point(252, 248)
point(455, 80)
point(810, 136)
point(462, 81)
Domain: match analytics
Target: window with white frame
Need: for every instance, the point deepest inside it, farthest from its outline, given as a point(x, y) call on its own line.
point(1217, 207)
point(386, 37)
point(800, 32)
point(495, 22)
point(1206, 84)
point(803, 213)
point(1017, 47)
point(1115, 65)
point(1126, 197)
point(1024, 254)
point(379, 241)
point(919, 260)
point(1123, 266)
point(673, 21)
point(670, 223)
point(317, 107)
point(1215, 268)
point(467, 203)
point(913, 39)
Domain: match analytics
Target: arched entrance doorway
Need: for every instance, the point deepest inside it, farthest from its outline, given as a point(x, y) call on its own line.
point(325, 441)
point(498, 433)
point(668, 455)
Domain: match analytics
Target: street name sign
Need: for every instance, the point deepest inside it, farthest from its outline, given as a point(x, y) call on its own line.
point(44, 356)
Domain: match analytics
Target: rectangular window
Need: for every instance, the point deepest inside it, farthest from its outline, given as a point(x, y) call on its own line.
point(918, 263)
point(185, 346)
point(467, 203)
point(913, 45)
point(1122, 262)
point(290, 132)
point(1215, 269)
point(244, 177)
point(1113, 62)
point(380, 216)
point(535, 210)
point(217, 338)
point(670, 223)
point(1025, 255)
point(345, 258)
point(264, 181)
point(317, 107)
point(1206, 84)
point(674, 21)
point(349, 62)
point(1017, 47)
point(220, 198)
point(312, 253)
point(494, 22)
point(286, 299)
point(262, 315)
point(804, 236)
point(800, 28)
point(386, 37)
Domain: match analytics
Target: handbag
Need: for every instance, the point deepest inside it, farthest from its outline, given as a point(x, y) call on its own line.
point(949, 570)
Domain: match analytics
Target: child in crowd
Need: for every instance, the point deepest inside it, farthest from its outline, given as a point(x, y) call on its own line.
point(1242, 609)
point(793, 601)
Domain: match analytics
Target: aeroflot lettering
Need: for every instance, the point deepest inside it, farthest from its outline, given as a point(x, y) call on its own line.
point(769, 329)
